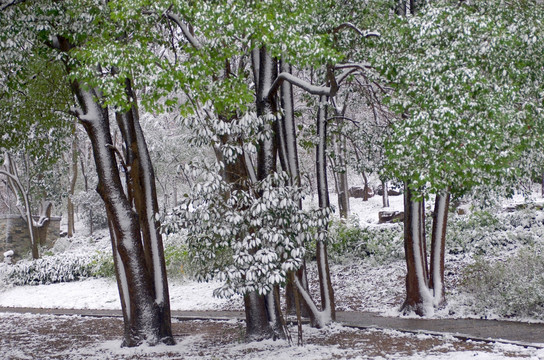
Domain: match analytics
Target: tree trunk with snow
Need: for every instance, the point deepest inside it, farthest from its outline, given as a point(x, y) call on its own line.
point(325, 284)
point(143, 305)
point(144, 197)
point(265, 70)
point(288, 153)
point(438, 245)
point(418, 297)
point(19, 191)
point(321, 317)
point(385, 196)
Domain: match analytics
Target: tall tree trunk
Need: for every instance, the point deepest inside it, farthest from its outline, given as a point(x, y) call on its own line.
point(325, 284)
point(256, 306)
point(385, 196)
point(418, 297)
point(142, 314)
point(320, 318)
point(288, 152)
point(144, 196)
point(73, 180)
point(438, 245)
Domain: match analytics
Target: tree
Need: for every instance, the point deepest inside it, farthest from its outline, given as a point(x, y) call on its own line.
point(69, 32)
point(34, 128)
point(463, 119)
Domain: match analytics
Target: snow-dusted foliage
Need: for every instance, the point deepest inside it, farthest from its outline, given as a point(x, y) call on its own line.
point(465, 89)
point(57, 268)
point(487, 233)
point(511, 287)
point(348, 242)
point(249, 239)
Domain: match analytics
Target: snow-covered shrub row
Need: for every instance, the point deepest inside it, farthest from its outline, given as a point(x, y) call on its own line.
point(248, 235)
point(56, 268)
point(489, 233)
point(513, 287)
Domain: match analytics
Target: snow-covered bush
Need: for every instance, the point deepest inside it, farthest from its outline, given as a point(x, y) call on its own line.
point(511, 288)
point(47, 270)
point(250, 239)
point(485, 232)
point(348, 241)
point(57, 268)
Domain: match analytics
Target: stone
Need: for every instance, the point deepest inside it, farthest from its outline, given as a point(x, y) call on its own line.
point(358, 192)
point(390, 216)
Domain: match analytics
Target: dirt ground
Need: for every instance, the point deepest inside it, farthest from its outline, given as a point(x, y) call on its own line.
point(25, 336)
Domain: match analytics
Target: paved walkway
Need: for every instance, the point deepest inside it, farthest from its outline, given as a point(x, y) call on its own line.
point(487, 330)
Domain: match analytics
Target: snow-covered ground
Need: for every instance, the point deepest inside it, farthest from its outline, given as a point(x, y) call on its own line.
point(359, 286)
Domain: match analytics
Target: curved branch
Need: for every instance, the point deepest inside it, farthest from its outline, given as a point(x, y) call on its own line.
point(363, 33)
point(304, 85)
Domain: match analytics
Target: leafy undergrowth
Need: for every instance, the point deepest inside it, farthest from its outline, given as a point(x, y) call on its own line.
point(72, 337)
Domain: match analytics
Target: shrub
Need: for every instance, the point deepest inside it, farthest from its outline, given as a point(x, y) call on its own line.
point(102, 265)
point(47, 270)
point(511, 288)
point(483, 232)
point(348, 240)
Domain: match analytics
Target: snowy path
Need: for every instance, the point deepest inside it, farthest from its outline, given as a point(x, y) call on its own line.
point(510, 332)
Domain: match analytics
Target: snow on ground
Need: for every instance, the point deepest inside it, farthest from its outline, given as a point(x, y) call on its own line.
point(73, 337)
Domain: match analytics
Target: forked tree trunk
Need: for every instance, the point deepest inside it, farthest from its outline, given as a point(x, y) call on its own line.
point(418, 297)
point(143, 318)
point(144, 197)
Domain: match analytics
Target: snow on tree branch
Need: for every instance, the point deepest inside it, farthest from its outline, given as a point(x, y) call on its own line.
point(310, 88)
point(192, 40)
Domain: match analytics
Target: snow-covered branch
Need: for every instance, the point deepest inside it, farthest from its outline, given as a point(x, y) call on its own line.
point(5, 4)
point(185, 29)
point(304, 85)
point(363, 33)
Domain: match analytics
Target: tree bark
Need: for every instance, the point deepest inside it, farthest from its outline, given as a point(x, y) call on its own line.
point(418, 297)
point(438, 246)
point(267, 153)
point(144, 195)
point(325, 285)
point(143, 318)
point(385, 196)
point(288, 152)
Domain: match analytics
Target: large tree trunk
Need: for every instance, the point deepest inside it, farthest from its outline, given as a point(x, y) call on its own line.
point(144, 196)
point(144, 320)
point(267, 155)
point(438, 245)
point(418, 297)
